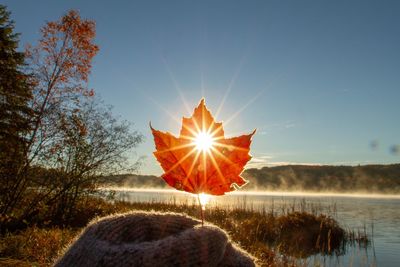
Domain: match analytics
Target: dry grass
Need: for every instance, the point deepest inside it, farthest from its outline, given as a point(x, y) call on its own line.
point(274, 239)
point(33, 246)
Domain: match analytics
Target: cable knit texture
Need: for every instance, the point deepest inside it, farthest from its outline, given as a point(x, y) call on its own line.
point(153, 239)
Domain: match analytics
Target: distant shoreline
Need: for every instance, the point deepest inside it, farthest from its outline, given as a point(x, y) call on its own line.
point(295, 179)
point(267, 193)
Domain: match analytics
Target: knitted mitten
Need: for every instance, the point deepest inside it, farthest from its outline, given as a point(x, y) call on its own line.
point(153, 239)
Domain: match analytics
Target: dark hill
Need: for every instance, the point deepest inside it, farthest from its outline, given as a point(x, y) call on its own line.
point(367, 178)
point(134, 180)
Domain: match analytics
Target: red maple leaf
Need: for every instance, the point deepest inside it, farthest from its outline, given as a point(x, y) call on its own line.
point(202, 160)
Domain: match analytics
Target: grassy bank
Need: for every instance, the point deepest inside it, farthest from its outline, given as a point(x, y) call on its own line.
point(274, 239)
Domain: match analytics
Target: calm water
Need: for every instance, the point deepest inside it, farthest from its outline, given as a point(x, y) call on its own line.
point(378, 215)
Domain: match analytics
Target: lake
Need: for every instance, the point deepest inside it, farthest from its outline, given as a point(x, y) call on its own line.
point(377, 215)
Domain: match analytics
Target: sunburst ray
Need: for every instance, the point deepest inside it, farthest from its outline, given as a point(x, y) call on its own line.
point(180, 161)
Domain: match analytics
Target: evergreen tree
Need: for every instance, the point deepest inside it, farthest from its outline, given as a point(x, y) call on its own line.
point(15, 113)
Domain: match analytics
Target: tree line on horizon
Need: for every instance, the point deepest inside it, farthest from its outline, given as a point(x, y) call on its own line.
point(56, 136)
point(368, 179)
point(378, 179)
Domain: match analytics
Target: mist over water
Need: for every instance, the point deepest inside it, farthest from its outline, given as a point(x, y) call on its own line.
point(375, 214)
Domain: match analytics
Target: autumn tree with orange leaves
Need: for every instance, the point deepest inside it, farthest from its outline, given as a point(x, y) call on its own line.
point(60, 65)
point(75, 138)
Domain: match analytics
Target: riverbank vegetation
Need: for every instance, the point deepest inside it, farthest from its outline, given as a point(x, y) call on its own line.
point(275, 239)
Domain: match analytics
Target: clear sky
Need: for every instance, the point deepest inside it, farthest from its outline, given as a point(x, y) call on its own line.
point(320, 80)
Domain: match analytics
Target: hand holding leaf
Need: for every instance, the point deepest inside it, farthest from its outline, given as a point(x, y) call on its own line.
point(202, 160)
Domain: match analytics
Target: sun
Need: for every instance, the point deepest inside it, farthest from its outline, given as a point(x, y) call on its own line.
point(203, 141)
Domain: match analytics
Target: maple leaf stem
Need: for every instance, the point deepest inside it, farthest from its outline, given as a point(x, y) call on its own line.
point(201, 210)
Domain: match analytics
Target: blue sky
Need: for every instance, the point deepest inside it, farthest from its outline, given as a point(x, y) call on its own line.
point(320, 80)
